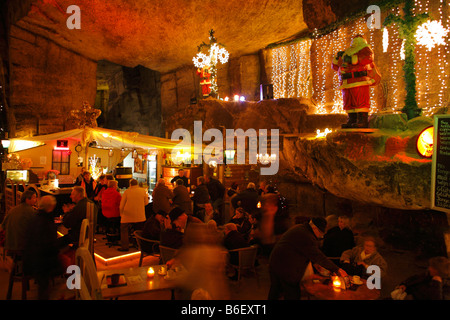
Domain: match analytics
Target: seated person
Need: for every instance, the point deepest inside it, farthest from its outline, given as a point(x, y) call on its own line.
point(434, 284)
point(209, 213)
point(338, 239)
point(233, 240)
point(356, 261)
point(73, 217)
point(173, 237)
point(241, 220)
point(154, 225)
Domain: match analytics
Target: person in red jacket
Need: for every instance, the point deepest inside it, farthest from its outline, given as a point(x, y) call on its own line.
point(110, 205)
point(357, 72)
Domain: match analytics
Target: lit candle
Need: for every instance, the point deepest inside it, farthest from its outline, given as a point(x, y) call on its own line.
point(150, 272)
point(259, 204)
point(336, 284)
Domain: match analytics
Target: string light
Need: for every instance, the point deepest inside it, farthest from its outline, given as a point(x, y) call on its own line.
point(385, 39)
point(293, 66)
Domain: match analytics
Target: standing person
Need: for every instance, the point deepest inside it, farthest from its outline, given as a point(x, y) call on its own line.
point(354, 66)
point(74, 215)
point(111, 198)
point(80, 176)
point(180, 176)
point(181, 197)
point(216, 191)
point(291, 255)
point(233, 190)
point(162, 196)
point(132, 211)
point(101, 186)
point(247, 199)
point(89, 184)
point(201, 195)
point(41, 256)
point(18, 222)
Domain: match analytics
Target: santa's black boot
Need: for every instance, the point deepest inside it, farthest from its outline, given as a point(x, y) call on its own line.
point(352, 118)
point(362, 120)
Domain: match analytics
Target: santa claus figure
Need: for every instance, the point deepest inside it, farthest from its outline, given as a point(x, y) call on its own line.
point(205, 81)
point(357, 72)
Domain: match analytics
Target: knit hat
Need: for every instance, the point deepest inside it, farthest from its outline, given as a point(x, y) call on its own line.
point(175, 213)
point(320, 223)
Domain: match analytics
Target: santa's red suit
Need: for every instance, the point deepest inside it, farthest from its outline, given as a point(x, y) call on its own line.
point(205, 81)
point(354, 66)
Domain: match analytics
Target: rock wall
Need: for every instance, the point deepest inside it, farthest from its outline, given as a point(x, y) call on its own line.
point(47, 81)
point(134, 102)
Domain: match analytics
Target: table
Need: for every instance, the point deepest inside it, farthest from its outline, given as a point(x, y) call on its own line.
point(327, 292)
point(137, 282)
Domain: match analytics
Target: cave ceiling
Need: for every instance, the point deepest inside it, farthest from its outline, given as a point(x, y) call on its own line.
point(163, 35)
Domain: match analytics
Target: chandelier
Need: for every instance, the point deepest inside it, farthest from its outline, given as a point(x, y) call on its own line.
point(208, 56)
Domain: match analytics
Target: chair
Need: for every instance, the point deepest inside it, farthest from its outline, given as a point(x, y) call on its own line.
point(17, 274)
point(146, 246)
point(35, 189)
point(84, 234)
point(166, 253)
point(89, 280)
point(247, 259)
point(9, 194)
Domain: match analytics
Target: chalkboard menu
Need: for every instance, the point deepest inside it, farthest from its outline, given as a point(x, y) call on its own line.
point(440, 177)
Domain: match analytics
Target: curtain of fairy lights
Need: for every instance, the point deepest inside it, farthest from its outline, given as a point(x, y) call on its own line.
point(297, 74)
point(292, 70)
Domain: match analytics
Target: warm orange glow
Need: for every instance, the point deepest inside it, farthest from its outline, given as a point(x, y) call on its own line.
point(259, 204)
point(336, 282)
point(425, 142)
point(106, 260)
point(150, 273)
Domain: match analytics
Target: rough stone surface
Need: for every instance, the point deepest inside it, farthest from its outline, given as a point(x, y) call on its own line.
point(47, 81)
point(361, 167)
point(379, 169)
point(164, 35)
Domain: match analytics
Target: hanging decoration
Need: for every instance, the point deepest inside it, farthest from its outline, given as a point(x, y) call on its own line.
point(206, 63)
point(407, 27)
point(94, 167)
point(86, 116)
point(430, 34)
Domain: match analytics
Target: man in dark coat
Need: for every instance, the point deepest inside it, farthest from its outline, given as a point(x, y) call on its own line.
point(338, 239)
point(41, 256)
point(161, 197)
point(216, 191)
point(201, 195)
point(74, 217)
point(291, 256)
point(248, 199)
point(181, 197)
point(173, 237)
